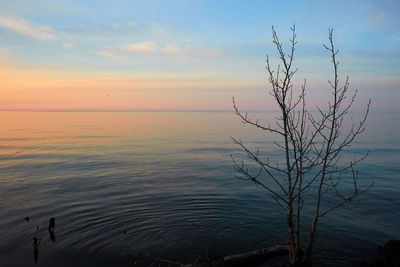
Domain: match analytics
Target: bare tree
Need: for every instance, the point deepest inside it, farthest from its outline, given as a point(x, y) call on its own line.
point(312, 145)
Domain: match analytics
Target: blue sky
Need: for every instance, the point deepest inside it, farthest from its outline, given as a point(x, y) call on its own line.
point(190, 54)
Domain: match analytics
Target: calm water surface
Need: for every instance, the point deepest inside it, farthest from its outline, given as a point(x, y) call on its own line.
point(166, 178)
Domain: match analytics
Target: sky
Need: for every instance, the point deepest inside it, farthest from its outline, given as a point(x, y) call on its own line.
point(189, 55)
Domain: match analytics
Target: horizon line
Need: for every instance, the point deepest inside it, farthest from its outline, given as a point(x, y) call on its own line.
point(160, 110)
point(123, 110)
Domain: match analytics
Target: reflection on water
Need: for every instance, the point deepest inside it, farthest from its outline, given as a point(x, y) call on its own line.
point(51, 227)
point(162, 183)
point(36, 243)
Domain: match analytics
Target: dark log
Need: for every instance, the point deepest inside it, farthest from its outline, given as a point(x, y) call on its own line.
point(243, 259)
point(255, 256)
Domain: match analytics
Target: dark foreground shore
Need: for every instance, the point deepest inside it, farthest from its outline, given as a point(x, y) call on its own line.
point(388, 256)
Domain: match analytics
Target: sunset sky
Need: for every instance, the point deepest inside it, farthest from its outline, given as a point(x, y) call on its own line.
point(188, 55)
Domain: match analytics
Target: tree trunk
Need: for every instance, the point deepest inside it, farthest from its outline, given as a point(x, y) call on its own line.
point(291, 234)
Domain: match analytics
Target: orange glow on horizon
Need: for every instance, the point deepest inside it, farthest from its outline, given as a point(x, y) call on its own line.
point(29, 88)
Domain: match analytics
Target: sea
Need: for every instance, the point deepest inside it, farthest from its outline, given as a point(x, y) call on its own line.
point(143, 188)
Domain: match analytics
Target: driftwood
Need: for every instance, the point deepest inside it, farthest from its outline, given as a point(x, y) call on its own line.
point(242, 259)
point(255, 256)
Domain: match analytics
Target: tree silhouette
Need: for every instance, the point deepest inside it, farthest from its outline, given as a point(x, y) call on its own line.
point(312, 146)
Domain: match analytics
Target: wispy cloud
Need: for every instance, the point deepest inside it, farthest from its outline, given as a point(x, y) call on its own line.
point(27, 28)
point(105, 53)
point(165, 50)
point(146, 48)
point(184, 51)
point(143, 47)
point(3, 50)
point(68, 45)
point(193, 51)
point(379, 18)
point(4, 54)
point(172, 50)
